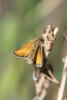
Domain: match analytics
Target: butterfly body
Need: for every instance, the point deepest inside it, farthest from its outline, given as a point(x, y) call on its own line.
point(36, 51)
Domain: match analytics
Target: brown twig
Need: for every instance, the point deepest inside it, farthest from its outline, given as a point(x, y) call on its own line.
point(42, 78)
point(41, 84)
point(61, 89)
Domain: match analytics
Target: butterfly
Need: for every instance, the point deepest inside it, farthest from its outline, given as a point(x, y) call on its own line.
point(36, 51)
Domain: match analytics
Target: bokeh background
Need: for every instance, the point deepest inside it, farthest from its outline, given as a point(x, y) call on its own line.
point(21, 21)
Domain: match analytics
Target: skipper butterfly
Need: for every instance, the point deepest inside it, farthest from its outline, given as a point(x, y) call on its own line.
point(36, 51)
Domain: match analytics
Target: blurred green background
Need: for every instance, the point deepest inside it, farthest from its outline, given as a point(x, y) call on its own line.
point(21, 21)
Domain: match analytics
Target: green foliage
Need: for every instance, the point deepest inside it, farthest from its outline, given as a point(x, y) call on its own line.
point(18, 21)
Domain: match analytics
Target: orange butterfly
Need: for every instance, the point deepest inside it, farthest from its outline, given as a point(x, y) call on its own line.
point(32, 51)
point(36, 51)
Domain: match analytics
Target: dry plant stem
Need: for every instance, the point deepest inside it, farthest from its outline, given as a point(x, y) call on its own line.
point(53, 78)
point(41, 84)
point(61, 89)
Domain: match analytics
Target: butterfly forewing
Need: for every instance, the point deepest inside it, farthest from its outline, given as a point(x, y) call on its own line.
point(25, 50)
point(33, 54)
point(28, 50)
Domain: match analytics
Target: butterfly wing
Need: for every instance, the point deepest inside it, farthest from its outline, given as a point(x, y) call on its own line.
point(25, 50)
point(39, 57)
point(28, 50)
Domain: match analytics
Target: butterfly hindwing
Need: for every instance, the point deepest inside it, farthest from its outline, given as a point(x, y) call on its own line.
point(39, 57)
